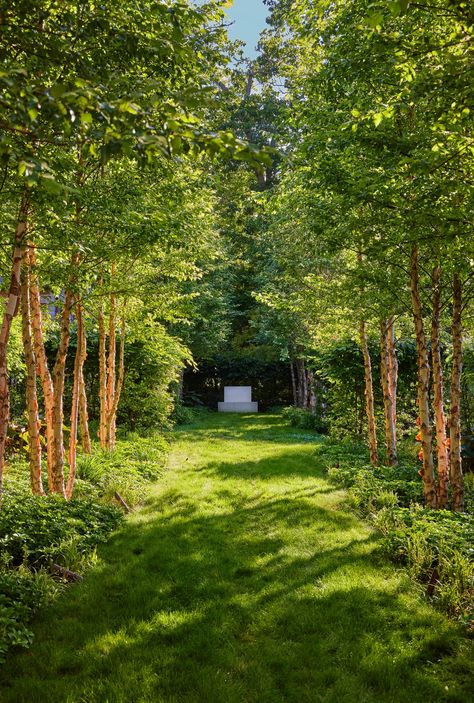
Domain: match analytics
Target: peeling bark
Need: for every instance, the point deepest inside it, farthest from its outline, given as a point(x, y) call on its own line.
point(10, 311)
point(78, 361)
point(427, 472)
point(34, 424)
point(457, 483)
point(111, 420)
point(393, 373)
point(438, 393)
point(369, 395)
point(83, 411)
point(388, 380)
point(102, 380)
point(42, 365)
point(58, 385)
point(111, 370)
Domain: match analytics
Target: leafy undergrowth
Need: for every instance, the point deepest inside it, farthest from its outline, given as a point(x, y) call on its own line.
point(437, 546)
point(37, 532)
point(243, 578)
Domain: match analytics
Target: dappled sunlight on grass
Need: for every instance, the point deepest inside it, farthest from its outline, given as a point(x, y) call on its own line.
point(242, 579)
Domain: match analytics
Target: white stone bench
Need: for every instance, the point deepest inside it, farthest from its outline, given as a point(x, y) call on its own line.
point(238, 399)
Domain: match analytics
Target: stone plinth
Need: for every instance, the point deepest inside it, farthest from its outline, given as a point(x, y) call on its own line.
point(238, 399)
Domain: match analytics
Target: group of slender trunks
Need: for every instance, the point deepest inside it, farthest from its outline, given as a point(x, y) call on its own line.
point(439, 435)
point(24, 297)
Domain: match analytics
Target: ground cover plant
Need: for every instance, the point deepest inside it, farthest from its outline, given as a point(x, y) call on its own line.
point(37, 532)
point(436, 546)
point(178, 217)
point(244, 577)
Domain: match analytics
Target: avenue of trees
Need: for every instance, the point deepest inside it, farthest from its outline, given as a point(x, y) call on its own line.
point(108, 131)
point(163, 205)
point(370, 225)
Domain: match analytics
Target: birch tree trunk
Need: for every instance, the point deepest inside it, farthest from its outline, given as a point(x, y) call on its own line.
point(102, 380)
point(111, 420)
point(34, 424)
point(438, 393)
point(111, 372)
point(42, 364)
point(58, 386)
point(393, 375)
point(83, 411)
point(427, 472)
point(457, 483)
point(78, 361)
point(369, 395)
point(10, 311)
point(386, 376)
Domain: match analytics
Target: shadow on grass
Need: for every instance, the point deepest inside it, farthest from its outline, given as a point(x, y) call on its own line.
point(247, 428)
point(268, 600)
point(207, 610)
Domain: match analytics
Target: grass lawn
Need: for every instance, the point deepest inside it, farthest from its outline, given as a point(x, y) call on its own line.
point(242, 580)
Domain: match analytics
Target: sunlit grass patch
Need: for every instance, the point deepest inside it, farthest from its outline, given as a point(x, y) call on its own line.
point(243, 578)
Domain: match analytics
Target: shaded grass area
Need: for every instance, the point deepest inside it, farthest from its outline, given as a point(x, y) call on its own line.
point(242, 579)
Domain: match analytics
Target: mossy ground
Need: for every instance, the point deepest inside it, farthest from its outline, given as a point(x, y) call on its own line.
point(243, 579)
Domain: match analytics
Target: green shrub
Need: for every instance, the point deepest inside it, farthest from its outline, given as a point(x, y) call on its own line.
point(21, 594)
point(33, 528)
point(304, 419)
point(36, 532)
point(420, 538)
point(136, 461)
point(183, 415)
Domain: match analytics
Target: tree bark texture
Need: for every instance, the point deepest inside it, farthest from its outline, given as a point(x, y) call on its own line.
point(11, 309)
point(427, 472)
point(457, 483)
point(34, 423)
point(78, 361)
point(58, 385)
point(438, 393)
point(369, 395)
point(42, 364)
point(111, 370)
point(102, 380)
point(111, 419)
point(388, 389)
point(83, 410)
point(393, 373)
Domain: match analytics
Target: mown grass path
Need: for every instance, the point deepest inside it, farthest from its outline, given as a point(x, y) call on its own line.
point(242, 580)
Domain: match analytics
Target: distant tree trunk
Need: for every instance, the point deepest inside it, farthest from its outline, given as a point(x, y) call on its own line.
point(102, 380)
point(83, 412)
point(438, 395)
point(369, 395)
point(293, 384)
point(111, 420)
point(10, 311)
point(78, 361)
point(42, 364)
point(179, 390)
point(427, 472)
point(387, 380)
point(312, 400)
point(457, 483)
point(58, 385)
point(111, 370)
point(301, 376)
point(393, 373)
point(34, 424)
